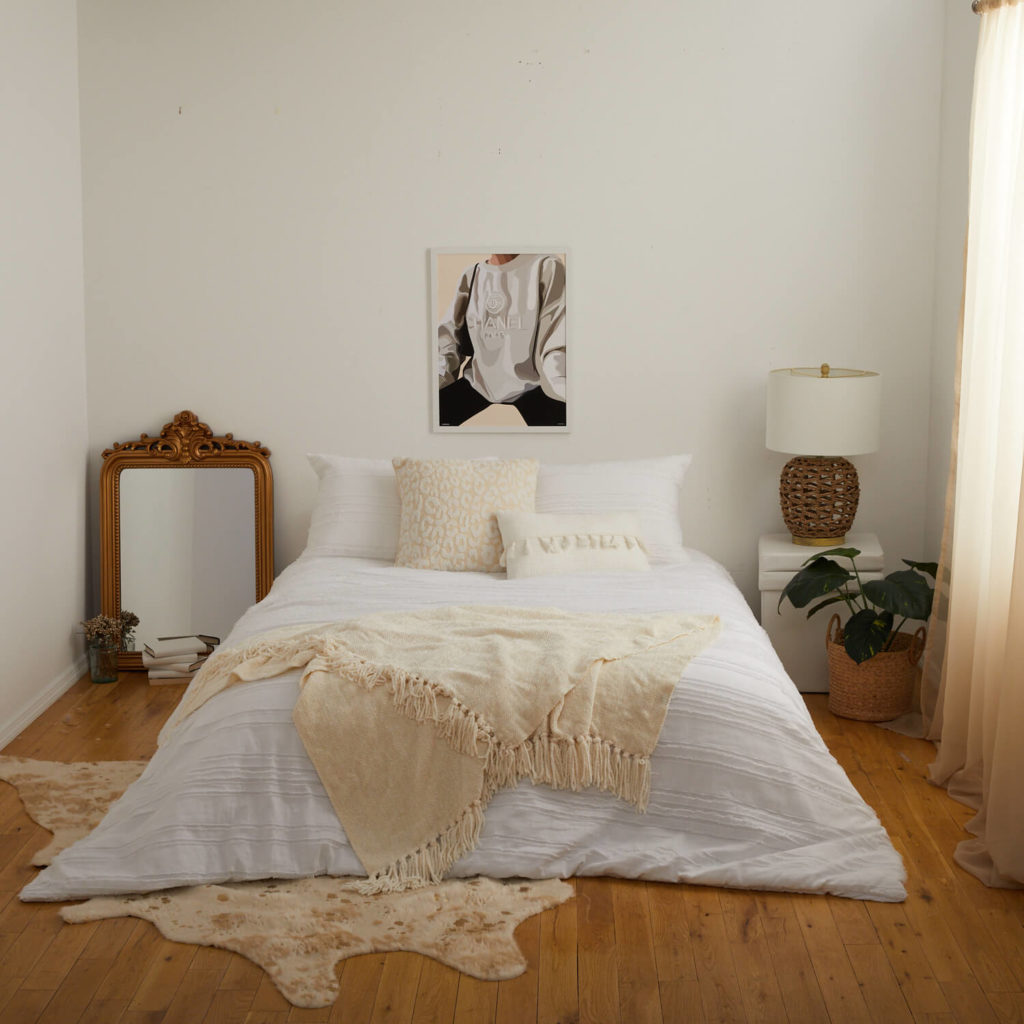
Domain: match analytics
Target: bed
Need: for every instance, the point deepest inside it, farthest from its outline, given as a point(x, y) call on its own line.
point(744, 792)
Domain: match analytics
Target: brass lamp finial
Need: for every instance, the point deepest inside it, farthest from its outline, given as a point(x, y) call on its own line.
point(825, 369)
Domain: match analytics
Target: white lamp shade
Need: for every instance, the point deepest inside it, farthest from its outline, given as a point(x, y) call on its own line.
point(811, 414)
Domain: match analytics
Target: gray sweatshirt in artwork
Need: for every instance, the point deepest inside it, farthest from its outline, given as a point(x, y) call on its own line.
point(510, 319)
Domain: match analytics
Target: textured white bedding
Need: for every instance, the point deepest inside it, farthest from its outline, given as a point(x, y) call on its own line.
point(744, 791)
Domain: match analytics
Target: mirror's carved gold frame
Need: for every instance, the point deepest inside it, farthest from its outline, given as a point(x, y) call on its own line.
point(183, 443)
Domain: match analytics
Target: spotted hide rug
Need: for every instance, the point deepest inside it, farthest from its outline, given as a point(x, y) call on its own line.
point(296, 930)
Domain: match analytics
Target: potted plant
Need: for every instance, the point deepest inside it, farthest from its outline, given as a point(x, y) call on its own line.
point(106, 638)
point(872, 663)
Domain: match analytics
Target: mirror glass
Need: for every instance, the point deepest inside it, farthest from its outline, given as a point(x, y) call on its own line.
point(188, 548)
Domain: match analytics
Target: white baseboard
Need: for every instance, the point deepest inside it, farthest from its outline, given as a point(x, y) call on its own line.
point(42, 700)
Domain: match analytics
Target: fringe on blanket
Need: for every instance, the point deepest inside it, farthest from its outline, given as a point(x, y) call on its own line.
point(564, 763)
point(429, 863)
point(573, 764)
point(417, 698)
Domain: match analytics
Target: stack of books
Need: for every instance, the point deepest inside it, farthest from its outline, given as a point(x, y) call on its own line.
point(175, 659)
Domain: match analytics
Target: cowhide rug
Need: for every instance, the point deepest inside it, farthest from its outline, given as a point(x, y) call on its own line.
point(68, 799)
point(297, 930)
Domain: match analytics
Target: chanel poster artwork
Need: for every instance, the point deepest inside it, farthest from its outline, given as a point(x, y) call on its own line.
point(498, 340)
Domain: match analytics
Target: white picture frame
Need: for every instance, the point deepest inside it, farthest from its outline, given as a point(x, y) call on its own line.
point(481, 302)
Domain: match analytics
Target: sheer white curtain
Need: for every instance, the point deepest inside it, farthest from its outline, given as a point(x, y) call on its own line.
point(979, 709)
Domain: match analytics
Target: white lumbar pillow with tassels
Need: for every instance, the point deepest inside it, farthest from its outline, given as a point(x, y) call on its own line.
point(539, 544)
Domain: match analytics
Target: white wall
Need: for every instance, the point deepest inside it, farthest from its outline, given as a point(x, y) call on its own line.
point(42, 338)
point(741, 186)
point(957, 87)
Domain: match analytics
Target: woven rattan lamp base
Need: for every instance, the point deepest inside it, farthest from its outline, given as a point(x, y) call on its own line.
point(819, 496)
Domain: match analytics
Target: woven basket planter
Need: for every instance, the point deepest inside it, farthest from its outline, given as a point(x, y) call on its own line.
point(878, 689)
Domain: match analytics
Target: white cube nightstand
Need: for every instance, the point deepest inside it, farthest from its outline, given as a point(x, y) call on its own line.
point(799, 641)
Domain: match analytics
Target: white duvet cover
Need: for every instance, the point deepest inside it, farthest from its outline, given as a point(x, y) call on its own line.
point(744, 791)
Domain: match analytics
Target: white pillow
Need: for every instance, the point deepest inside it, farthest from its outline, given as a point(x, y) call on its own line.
point(357, 510)
point(549, 545)
point(648, 486)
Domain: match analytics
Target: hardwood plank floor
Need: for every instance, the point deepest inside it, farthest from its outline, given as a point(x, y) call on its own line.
point(621, 951)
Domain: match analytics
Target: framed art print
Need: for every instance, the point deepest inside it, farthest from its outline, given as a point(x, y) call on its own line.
point(498, 340)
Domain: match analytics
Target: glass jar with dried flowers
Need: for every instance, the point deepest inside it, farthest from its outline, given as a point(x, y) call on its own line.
point(103, 635)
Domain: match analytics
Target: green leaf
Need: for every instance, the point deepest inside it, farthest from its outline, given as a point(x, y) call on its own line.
point(819, 578)
point(866, 633)
point(932, 568)
point(825, 604)
point(905, 593)
point(850, 553)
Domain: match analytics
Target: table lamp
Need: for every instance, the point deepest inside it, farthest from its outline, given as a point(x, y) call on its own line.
point(820, 415)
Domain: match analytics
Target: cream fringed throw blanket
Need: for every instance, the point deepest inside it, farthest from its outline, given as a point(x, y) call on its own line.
point(414, 719)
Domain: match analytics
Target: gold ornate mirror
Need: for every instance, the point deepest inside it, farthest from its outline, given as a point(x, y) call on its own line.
point(187, 550)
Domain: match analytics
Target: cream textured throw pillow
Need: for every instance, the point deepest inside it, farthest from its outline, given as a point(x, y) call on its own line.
point(448, 510)
point(546, 545)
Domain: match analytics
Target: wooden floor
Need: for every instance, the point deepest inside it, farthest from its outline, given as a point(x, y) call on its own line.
point(627, 952)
